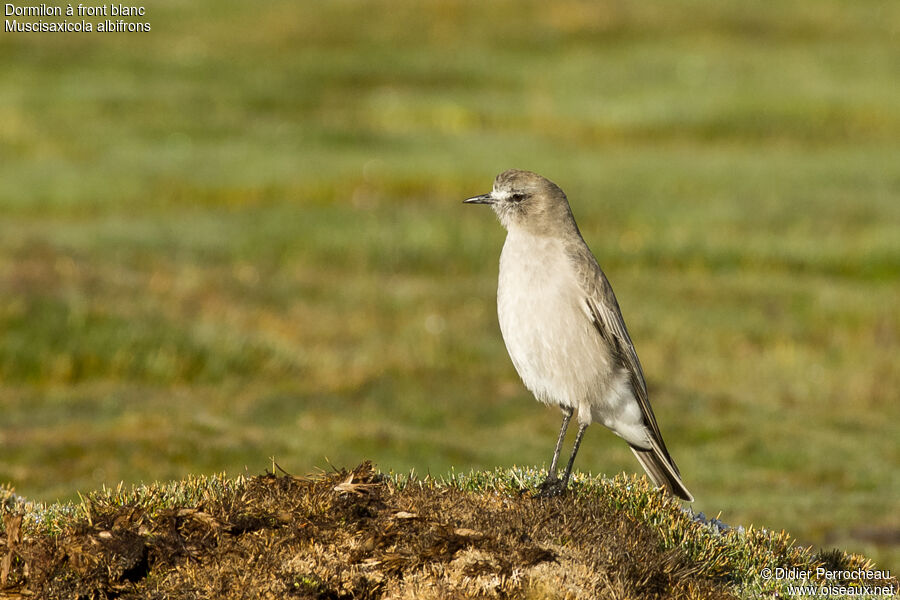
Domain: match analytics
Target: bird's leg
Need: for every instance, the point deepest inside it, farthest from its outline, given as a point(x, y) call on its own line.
point(550, 487)
point(567, 415)
point(565, 479)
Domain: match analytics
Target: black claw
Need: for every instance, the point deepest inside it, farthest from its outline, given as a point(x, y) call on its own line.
point(551, 488)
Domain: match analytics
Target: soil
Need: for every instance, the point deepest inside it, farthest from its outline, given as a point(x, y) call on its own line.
point(352, 535)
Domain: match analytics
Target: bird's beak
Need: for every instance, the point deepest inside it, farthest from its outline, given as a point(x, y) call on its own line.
point(482, 199)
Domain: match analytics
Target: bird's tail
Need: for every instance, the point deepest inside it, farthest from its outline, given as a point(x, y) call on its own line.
point(662, 471)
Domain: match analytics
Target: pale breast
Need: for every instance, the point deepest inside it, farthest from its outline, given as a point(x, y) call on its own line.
point(548, 333)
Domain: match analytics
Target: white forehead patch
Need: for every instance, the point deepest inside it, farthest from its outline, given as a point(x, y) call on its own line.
point(499, 195)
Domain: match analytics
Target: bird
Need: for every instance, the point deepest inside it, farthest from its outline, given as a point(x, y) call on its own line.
point(564, 330)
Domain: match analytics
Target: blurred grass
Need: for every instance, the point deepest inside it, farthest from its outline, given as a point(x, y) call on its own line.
point(240, 236)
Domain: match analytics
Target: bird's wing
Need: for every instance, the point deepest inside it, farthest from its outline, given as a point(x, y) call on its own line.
point(603, 310)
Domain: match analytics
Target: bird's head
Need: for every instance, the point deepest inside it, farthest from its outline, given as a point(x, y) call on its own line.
point(525, 200)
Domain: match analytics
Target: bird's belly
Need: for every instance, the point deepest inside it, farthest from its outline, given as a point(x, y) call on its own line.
point(550, 339)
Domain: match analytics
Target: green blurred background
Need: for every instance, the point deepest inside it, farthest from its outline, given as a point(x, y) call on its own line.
point(240, 236)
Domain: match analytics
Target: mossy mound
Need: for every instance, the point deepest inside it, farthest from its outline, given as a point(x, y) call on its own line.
point(362, 534)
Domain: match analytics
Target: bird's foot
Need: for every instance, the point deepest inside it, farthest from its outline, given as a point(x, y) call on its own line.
point(552, 487)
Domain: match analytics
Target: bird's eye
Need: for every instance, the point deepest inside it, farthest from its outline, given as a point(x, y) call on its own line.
point(517, 197)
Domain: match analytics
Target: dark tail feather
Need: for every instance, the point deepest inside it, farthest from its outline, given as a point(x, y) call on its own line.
point(662, 471)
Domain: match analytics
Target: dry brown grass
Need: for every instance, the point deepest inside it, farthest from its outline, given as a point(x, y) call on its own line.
point(354, 535)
